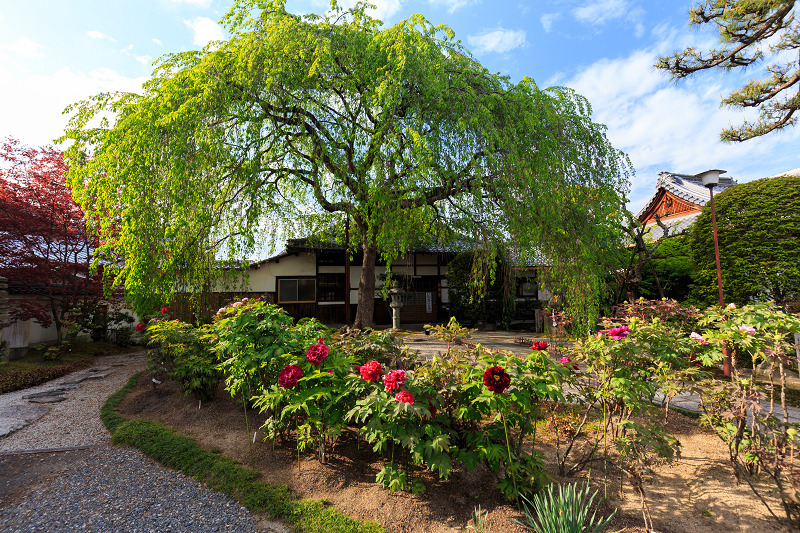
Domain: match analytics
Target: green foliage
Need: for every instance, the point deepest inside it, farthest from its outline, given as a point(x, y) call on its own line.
point(673, 265)
point(184, 354)
point(480, 521)
point(241, 140)
point(108, 412)
point(758, 225)
point(750, 32)
point(566, 511)
point(253, 339)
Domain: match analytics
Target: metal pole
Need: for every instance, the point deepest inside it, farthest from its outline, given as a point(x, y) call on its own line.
point(726, 362)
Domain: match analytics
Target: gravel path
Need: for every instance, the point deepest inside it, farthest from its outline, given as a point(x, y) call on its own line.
point(119, 489)
point(101, 488)
point(75, 421)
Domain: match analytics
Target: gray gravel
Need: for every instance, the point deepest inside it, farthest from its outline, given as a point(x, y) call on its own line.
point(120, 489)
point(102, 489)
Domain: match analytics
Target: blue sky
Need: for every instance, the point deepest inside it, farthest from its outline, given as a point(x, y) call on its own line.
point(53, 53)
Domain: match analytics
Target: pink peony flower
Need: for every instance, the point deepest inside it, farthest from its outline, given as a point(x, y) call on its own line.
point(699, 338)
point(566, 361)
point(317, 353)
point(245, 300)
point(289, 375)
point(404, 397)
point(731, 306)
point(749, 330)
point(236, 304)
point(394, 379)
point(618, 333)
point(496, 379)
point(220, 310)
point(539, 345)
point(371, 371)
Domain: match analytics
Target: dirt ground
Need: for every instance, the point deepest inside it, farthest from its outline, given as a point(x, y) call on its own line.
point(696, 494)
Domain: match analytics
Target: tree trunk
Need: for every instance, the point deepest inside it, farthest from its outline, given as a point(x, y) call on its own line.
point(366, 285)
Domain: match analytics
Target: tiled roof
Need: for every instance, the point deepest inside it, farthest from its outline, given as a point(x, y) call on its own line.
point(687, 187)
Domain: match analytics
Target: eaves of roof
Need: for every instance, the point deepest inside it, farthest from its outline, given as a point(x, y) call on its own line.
point(685, 186)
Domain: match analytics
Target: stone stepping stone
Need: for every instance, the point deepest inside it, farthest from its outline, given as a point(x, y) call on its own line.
point(101, 375)
point(75, 380)
point(10, 425)
point(45, 394)
point(48, 399)
point(96, 369)
point(15, 417)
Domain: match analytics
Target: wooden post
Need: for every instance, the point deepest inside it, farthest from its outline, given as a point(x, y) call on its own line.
point(4, 318)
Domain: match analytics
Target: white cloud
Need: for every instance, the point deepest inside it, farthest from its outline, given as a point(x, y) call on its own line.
point(24, 47)
point(39, 100)
point(94, 34)
point(144, 60)
point(499, 40)
point(195, 3)
point(675, 127)
point(548, 19)
point(598, 12)
point(159, 43)
point(205, 30)
point(384, 9)
point(453, 5)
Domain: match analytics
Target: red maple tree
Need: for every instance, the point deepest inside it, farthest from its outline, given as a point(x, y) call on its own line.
point(45, 248)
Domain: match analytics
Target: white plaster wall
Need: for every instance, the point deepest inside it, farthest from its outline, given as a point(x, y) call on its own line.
point(262, 279)
point(24, 333)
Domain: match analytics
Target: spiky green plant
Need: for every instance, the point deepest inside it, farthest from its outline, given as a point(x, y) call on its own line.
point(480, 521)
point(564, 512)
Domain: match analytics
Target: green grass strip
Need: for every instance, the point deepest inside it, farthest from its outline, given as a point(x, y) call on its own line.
point(225, 475)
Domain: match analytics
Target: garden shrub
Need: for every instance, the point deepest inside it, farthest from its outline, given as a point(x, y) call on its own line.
point(747, 416)
point(18, 379)
point(252, 338)
point(184, 354)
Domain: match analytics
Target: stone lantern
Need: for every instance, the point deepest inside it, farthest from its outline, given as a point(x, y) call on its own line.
point(396, 293)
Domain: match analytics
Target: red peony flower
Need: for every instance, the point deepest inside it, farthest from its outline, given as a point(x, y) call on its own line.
point(164, 310)
point(289, 375)
point(394, 379)
point(404, 397)
point(496, 379)
point(371, 371)
point(539, 345)
point(140, 327)
point(317, 353)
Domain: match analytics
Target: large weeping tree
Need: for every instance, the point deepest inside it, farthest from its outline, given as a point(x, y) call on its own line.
point(297, 121)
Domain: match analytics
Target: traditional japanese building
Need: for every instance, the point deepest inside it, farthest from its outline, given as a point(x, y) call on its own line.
point(677, 202)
